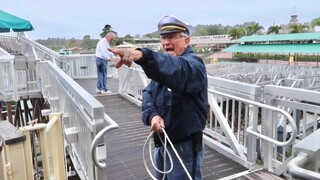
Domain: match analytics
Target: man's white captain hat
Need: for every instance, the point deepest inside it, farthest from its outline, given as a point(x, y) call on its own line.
point(171, 24)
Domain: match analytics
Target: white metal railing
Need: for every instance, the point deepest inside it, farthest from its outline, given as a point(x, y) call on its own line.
point(40, 51)
point(226, 69)
point(304, 108)
point(11, 34)
point(17, 81)
point(234, 131)
point(84, 120)
point(131, 83)
point(306, 165)
point(84, 66)
point(244, 124)
point(242, 117)
point(18, 73)
point(296, 170)
point(37, 69)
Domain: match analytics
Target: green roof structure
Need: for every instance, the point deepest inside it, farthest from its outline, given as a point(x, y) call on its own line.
point(278, 43)
point(281, 37)
point(275, 48)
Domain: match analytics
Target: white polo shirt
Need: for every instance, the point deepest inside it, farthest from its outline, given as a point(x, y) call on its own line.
point(102, 50)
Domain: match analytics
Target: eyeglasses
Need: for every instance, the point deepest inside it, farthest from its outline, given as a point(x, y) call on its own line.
point(171, 36)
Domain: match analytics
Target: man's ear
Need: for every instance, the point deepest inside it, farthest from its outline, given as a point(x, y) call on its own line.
point(187, 40)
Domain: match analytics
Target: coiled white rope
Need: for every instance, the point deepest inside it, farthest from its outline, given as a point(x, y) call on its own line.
point(166, 152)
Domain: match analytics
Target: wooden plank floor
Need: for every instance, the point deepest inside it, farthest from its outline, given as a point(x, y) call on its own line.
point(125, 144)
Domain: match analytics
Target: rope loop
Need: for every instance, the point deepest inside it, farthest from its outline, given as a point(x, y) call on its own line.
point(166, 153)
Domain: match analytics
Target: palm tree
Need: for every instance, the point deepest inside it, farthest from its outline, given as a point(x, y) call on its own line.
point(315, 22)
point(236, 33)
point(274, 29)
point(298, 28)
point(254, 28)
point(107, 28)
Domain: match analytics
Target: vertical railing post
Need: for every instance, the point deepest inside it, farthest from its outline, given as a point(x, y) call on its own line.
point(253, 122)
point(267, 130)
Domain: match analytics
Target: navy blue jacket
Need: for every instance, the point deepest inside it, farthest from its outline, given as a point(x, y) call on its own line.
point(177, 92)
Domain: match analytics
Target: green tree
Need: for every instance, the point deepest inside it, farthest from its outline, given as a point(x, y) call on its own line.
point(200, 30)
point(72, 42)
point(152, 35)
point(107, 28)
point(207, 30)
point(298, 28)
point(86, 42)
point(274, 29)
point(315, 22)
point(128, 38)
point(213, 29)
point(236, 33)
point(254, 28)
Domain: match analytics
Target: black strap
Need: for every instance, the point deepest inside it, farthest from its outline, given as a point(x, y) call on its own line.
point(194, 165)
point(196, 147)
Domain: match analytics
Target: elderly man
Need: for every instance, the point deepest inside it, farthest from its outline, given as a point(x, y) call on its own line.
point(176, 98)
point(103, 56)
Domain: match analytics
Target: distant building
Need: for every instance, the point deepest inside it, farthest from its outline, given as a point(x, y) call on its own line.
point(294, 20)
point(126, 45)
point(146, 40)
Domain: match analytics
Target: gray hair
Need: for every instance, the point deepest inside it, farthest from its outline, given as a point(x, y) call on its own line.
point(111, 34)
point(184, 34)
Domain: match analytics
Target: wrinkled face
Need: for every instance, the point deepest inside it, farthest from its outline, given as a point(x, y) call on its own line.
point(174, 43)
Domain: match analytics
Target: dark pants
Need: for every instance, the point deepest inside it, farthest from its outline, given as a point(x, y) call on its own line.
point(185, 152)
point(102, 65)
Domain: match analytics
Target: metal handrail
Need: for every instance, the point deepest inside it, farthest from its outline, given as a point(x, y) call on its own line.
point(250, 128)
point(294, 168)
point(41, 47)
point(47, 51)
point(94, 143)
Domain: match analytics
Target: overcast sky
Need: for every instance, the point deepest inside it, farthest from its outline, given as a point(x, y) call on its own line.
point(77, 18)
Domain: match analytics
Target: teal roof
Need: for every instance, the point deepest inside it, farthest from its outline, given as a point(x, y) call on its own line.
point(8, 21)
point(281, 37)
point(275, 48)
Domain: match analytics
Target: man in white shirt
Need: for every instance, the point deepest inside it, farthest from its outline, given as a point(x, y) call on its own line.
point(102, 58)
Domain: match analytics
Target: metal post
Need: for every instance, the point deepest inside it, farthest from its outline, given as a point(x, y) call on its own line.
point(1, 117)
point(9, 111)
point(268, 126)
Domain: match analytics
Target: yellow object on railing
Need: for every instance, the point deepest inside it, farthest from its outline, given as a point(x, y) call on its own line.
point(51, 145)
point(15, 161)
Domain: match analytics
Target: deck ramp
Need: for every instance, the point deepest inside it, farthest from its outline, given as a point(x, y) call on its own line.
point(125, 144)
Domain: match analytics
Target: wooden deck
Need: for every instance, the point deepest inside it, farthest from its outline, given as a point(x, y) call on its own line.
point(125, 144)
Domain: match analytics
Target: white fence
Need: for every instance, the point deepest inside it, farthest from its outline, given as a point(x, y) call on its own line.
point(83, 118)
point(33, 68)
point(247, 122)
point(18, 75)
